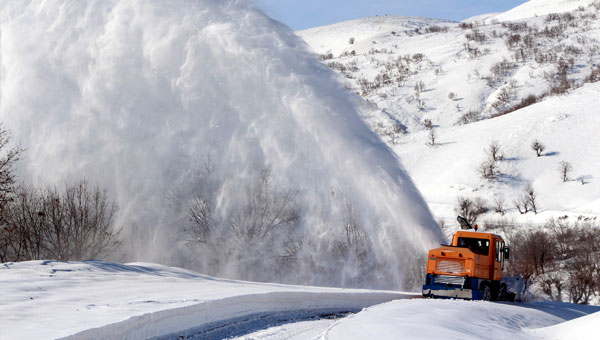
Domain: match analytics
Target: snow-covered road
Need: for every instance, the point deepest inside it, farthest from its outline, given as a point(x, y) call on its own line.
point(99, 300)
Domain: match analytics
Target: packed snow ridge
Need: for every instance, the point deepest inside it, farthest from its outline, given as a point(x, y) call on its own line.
point(228, 147)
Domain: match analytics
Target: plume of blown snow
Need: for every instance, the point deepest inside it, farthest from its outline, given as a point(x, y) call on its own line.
point(228, 148)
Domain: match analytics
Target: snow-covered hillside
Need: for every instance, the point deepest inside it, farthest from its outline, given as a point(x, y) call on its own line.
point(534, 8)
point(442, 93)
point(100, 300)
point(227, 147)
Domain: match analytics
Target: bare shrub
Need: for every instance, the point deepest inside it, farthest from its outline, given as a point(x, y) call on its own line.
point(75, 224)
point(351, 41)
point(451, 95)
point(488, 170)
point(419, 86)
point(564, 168)
point(529, 100)
point(476, 35)
point(494, 151)
point(469, 117)
point(531, 197)
point(538, 147)
point(8, 157)
point(499, 202)
point(471, 209)
point(432, 137)
point(436, 29)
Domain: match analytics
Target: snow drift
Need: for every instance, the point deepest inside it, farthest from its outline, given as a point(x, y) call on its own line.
point(227, 146)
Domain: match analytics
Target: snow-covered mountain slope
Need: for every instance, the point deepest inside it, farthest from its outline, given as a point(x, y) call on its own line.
point(365, 33)
point(566, 124)
point(533, 8)
point(454, 78)
point(227, 146)
point(100, 300)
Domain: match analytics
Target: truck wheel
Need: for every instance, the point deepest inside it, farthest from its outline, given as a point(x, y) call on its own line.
point(502, 293)
point(487, 293)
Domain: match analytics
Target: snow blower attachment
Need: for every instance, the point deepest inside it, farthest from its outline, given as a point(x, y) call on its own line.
point(470, 268)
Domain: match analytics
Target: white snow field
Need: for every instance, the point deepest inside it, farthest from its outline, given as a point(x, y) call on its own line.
point(179, 106)
point(101, 300)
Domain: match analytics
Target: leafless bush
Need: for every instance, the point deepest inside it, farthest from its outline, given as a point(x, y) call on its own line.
point(476, 35)
point(419, 86)
point(531, 197)
point(538, 147)
point(451, 95)
point(326, 56)
point(499, 202)
point(529, 100)
point(488, 170)
point(428, 123)
point(513, 40)
point(267, 210)
point(469, 117)
point(499, 71)
point(432, 137)
point(8, 157)
point(436, 29)
point(465, 25)
point(75, 224)
point(564, 168)
point(494, 151)
point(560, 256)
point(594, 75)
point(515, 26)
point(351, 41)
point(471, 209)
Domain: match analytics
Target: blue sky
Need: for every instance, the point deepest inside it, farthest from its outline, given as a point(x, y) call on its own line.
point(301, 14)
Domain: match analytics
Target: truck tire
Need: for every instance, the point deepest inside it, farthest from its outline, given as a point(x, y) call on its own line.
point(502, 293)
point(486, 292)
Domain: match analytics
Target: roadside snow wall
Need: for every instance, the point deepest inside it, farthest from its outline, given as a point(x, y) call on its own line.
point(228, 147)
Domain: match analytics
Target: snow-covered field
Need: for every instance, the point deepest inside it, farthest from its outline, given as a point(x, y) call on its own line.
point(83, 300)
point(100, 300)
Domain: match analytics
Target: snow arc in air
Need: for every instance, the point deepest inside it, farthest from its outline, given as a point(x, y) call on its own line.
point(228, 147)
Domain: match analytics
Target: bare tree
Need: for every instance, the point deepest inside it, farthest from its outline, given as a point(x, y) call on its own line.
point(76, 224)
point(419, 87)
point(538, 147)
point(531, 197)
point(499, 201)
point(432, 137)
point(565, 168)
point(522, 204)
point(8, 157)
point(488, 170)
point(494, 151)
point(471, 209)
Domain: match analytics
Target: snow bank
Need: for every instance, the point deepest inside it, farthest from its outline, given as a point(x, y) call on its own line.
point(99, 300)
point(177, 104)
point(584, 328)
point(456, 319)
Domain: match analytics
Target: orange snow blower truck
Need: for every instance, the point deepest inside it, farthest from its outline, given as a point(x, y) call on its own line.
point(470, 268)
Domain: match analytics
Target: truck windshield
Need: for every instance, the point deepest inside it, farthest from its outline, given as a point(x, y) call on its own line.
point(476, 245)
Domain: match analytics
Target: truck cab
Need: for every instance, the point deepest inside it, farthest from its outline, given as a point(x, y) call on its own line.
point(469, 268)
